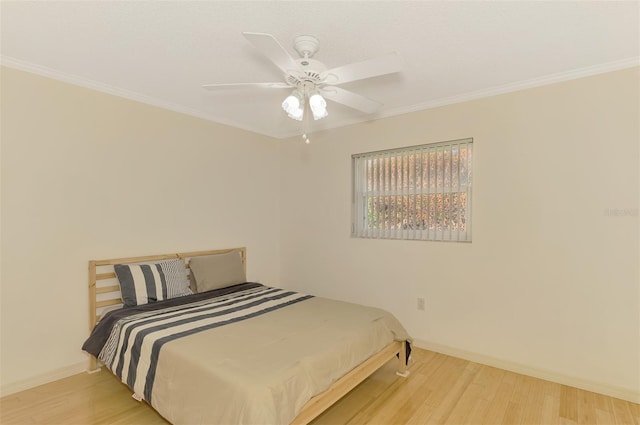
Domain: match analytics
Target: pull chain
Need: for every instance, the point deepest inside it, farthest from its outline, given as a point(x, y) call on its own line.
point(305, 124)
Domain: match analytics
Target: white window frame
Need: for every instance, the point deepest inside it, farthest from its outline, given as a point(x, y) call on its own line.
point(371, 178)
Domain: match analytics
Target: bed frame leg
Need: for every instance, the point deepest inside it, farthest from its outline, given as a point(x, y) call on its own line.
point(402, 360)
point(93, 366)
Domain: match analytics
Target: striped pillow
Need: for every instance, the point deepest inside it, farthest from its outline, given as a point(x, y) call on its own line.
point(149, 283)
point(176, 276)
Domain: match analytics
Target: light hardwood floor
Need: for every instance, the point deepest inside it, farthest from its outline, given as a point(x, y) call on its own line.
point(440, 390)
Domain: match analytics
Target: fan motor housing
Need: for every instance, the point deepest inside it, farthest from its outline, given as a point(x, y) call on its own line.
point(309, 70)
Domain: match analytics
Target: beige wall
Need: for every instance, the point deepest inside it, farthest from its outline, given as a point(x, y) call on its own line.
point(86, 175)
point(550, 280)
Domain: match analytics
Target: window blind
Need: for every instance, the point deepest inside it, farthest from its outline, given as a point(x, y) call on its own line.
point(419, 192)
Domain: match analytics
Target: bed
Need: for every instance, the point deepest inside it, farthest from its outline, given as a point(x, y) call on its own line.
point(239, 353)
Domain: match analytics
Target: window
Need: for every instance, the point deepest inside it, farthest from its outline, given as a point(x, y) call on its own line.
point(419, 192)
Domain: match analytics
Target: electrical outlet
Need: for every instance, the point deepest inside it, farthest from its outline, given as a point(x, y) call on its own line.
point(421, 304)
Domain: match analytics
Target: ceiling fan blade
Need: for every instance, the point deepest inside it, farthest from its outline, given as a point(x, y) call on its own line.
point(239, 85)
point(273, 50)
point(350, 99)
point(381, 65)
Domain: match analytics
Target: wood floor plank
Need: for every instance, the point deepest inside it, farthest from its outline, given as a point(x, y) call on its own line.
point(440, 390)
point(622, 412)
point(550, 409)
point(489, 379)
point(515, 408)
point(479, 411)
point(586, 407)
point(569, 403)
point(455, 390)
point(635, 412)
point(604, 417)
point(464, 406)
point(405, 412)
point(532, 413)
point(499, 404)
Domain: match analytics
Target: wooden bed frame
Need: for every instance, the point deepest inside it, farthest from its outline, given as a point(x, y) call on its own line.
point(104, 292)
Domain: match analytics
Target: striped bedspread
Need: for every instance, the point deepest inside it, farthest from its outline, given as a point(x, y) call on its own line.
point(247, 354)
point(133, 347)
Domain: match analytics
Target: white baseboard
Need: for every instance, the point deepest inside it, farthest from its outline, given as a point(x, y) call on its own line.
point(45, 378)
point(596, 387)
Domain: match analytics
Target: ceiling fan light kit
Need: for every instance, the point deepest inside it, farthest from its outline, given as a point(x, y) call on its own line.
point(294, 105)
point(311, 81)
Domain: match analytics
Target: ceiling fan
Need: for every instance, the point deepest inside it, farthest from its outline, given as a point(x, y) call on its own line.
point(310, 79)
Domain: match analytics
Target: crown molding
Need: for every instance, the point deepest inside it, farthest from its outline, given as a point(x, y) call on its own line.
point(518, 86)
point(492, 91)
point(116, 91)
point(465, 97)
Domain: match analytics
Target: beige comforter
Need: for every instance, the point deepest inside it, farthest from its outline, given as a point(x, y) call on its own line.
point(264, 370)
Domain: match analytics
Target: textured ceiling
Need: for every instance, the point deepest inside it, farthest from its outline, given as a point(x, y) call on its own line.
point(162, 52)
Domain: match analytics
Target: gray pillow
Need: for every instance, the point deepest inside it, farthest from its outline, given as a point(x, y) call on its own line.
point(218, 271)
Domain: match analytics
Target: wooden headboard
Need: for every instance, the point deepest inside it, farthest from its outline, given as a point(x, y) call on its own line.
point(104, 290)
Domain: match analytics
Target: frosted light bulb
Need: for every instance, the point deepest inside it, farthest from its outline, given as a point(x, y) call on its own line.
point(296, 114)
point(291, 103)
point(317, 101)
point(318, 106)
